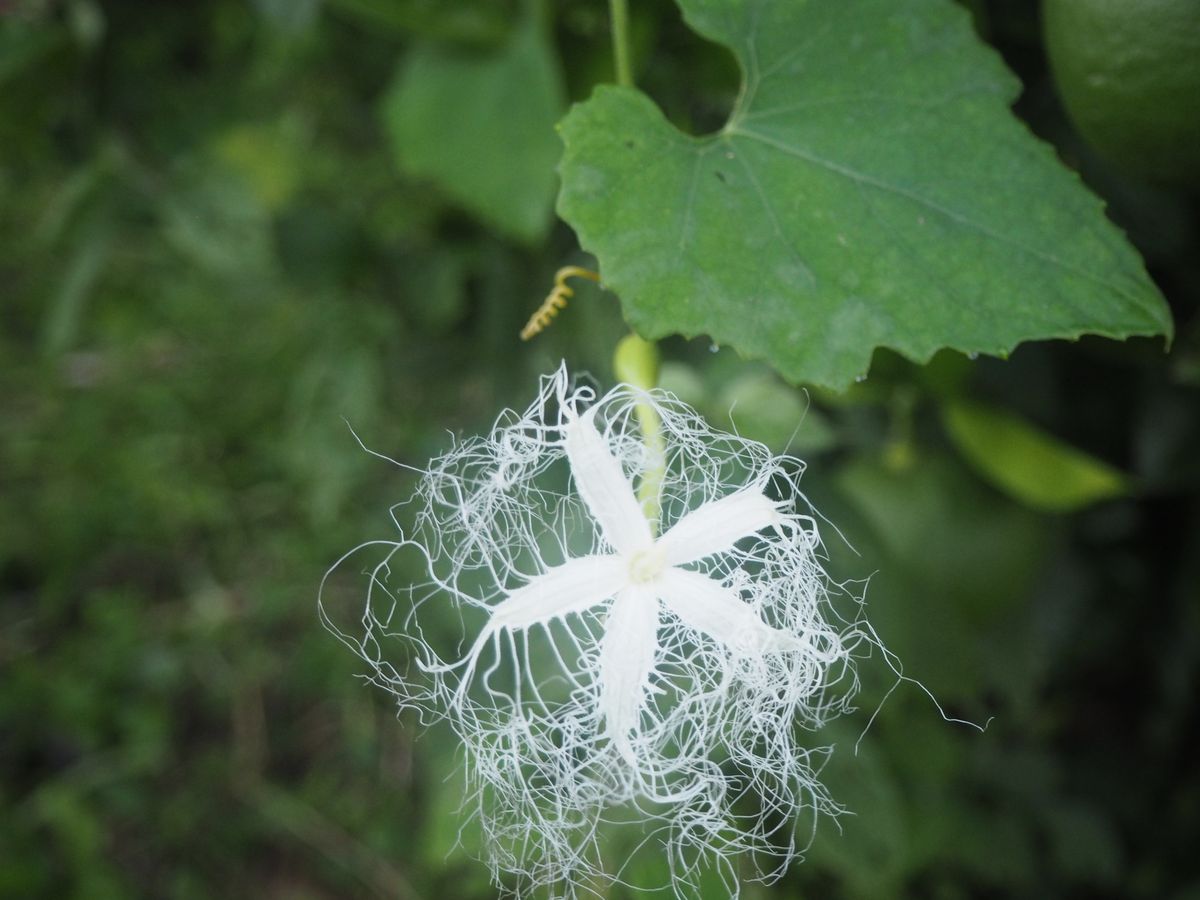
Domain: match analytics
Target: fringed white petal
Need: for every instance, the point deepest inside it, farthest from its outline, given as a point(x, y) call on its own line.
point(604, 487)
point(626, 662)
point(573, 587)
point(709, 607)
point(673, 698)
point(718, 525)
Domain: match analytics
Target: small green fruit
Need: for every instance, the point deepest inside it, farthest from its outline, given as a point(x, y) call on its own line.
point(1128, 72)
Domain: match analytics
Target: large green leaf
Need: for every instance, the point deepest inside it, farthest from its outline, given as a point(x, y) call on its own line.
point(871, 188)
point(482, 128)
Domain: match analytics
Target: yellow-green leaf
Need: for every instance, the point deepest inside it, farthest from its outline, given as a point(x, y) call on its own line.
point(1029, 464)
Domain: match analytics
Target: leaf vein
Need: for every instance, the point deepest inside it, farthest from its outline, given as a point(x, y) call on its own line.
point(959, 218)
point(968, 90)
point(776, 225)
point(686, 221)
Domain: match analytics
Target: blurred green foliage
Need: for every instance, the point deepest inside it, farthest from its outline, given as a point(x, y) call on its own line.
point(216, 251)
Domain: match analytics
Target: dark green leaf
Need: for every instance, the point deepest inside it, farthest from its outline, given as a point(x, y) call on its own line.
point(871, 188)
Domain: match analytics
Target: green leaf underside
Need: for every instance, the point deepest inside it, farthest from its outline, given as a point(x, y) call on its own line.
point(482, 128)
point(1027, 464)
point(871, 188)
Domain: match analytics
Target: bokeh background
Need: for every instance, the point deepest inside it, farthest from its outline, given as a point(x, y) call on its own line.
point(216, 250)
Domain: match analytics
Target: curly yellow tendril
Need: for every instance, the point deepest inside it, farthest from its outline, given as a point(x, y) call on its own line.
point(557, 300)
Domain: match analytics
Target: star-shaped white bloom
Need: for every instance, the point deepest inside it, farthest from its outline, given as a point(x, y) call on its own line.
point(622, 677)
point(644, 578)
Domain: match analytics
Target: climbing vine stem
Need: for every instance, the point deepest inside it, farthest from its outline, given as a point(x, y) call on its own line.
point(623, 67)
point(636, 360)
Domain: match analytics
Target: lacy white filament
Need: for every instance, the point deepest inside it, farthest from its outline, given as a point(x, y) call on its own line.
point(608, 668)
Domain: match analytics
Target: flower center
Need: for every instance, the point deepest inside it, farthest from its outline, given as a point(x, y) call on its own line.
point(646, 565)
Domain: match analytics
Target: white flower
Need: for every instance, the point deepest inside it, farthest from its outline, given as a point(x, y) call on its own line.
point(618, 675)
